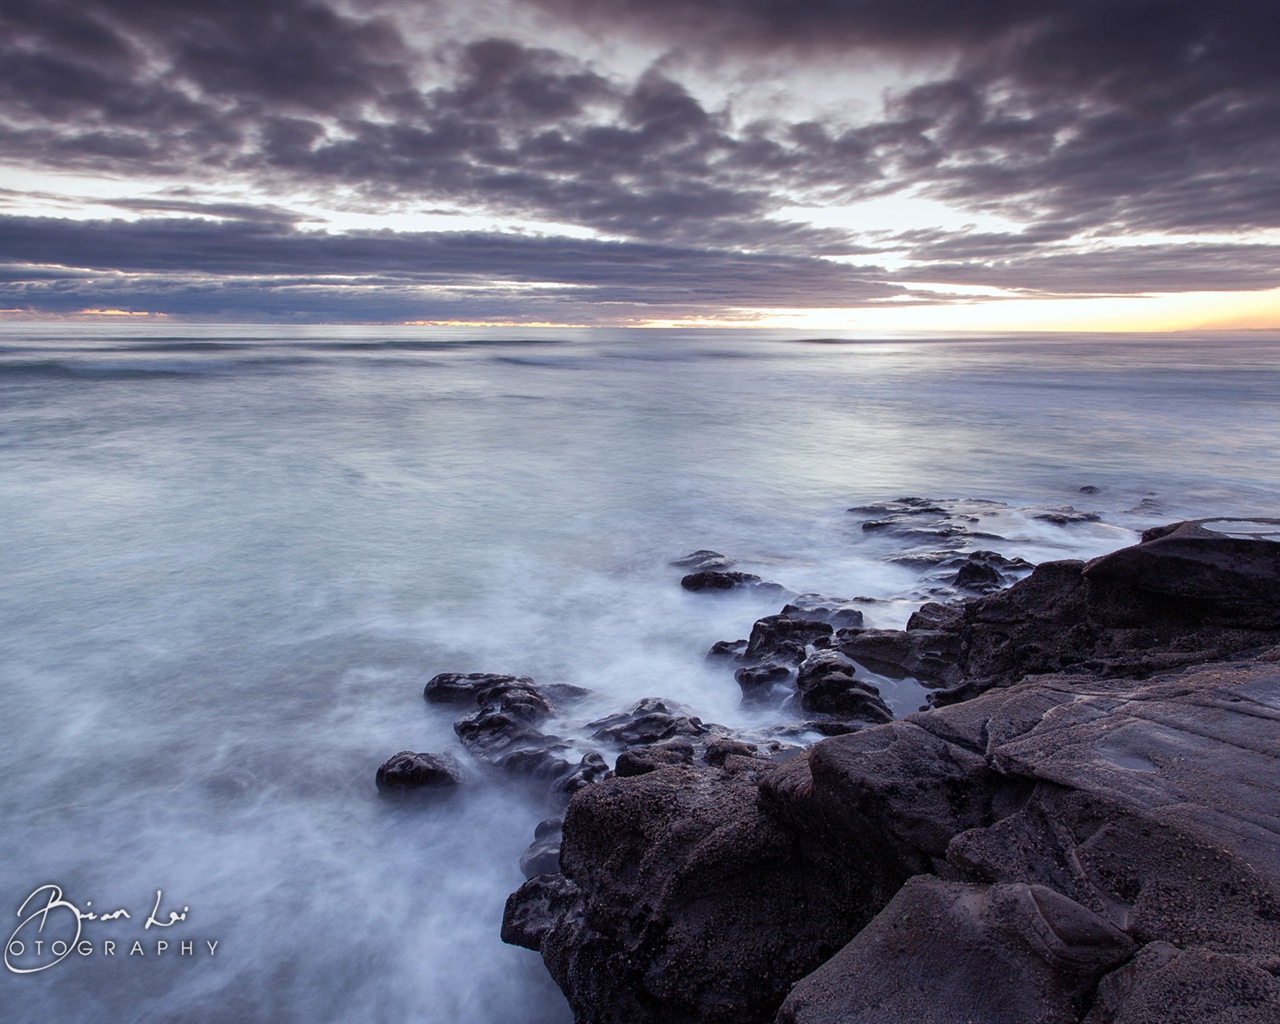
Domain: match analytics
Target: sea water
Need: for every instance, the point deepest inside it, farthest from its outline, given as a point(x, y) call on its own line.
point(232, 556)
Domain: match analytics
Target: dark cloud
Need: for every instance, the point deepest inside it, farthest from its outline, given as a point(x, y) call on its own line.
point(1122, 270)
point(275, 261)
point(1076, 120)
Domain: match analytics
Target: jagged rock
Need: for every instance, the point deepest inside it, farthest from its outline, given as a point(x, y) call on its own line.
point(780, 638)
point(763, 684)
point(669, 907)
point(648, 721)
point(462, 687)
point(407, 772)
point(591, 769)
point(718, 750)
point(641, 760)
point(827, 685)
point(1188, 593)
point(542, 857)
point(1099, 847)
point(837, 612)
point(950, 939)
point(729, 649)
point(702, 560)
point(1064, 515)
point(976, 576)
point(715, 579)
point(1166, 985)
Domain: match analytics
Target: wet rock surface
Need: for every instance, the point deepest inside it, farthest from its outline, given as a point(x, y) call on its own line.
point(1093, 837)
point(1187, 594)
point(409, 772)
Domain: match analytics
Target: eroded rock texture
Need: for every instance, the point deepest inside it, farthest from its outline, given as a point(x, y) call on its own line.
point(1079, 847)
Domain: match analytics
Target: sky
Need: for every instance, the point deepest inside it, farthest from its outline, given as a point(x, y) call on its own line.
point(816, 164)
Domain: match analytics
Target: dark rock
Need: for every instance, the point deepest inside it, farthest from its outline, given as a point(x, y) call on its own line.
point(538, 905)
point(648, 721)
point(976, 576)
point(669, 910)
point(591, 769)
point(1068, 821)
point(703, 559)
point(718, 750)
point(1089, 489)
point(1189, 593)
point(542, 857)
point(713, 579)
point(928, 655)
point(827, 685)
point(1064, 515)
point(947, 938)
point(1166, 985)
point(409, 772)
point(781, 638)
point(730, 649)
point(462, 688)
point(641, 760)
point(835, 611)
point(762, 684)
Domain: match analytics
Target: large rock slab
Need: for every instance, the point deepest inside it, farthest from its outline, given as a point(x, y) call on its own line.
point(949, 951)
point(682, 901)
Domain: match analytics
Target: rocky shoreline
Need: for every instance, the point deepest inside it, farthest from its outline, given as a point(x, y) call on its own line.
point(1082, 825)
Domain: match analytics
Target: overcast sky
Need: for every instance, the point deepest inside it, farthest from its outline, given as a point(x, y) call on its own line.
point(828, 163)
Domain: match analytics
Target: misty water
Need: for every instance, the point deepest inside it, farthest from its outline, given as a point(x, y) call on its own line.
point(231, 557)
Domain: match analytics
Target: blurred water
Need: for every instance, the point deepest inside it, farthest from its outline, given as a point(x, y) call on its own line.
point(232, 556)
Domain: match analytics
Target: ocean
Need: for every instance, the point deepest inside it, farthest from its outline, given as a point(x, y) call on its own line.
point(232, 556)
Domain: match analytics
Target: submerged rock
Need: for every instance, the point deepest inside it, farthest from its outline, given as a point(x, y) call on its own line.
point(408, 772)
point(463, 687)
point(715, 579)
point(647, 721)
point(703, 559)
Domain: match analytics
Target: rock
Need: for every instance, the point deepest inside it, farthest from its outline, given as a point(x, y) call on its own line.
point(835, 611)
point(1074, 847)
point(591, 769)
point(1064, 515)
point(641, 760)
point(1166, 985)
point(781, 638)
point(702, 560)
point(950, 939)
point(462, 688)
point(976, 576)
point(542, 857)
point(1187, 594)
point(408, 772)
point(718, 750)
point(715, 579)
point(766, 683)
point(504, 731)
point(732, 650)
point(1221, 571)
point(674, 887)
point(827, 685)
point(648, 721)
point(1090, 489)
point(535, 907)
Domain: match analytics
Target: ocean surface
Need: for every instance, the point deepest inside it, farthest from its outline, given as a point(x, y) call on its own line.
point(232, 556)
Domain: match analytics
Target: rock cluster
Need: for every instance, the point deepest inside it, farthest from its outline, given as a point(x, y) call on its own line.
point(1085, 830)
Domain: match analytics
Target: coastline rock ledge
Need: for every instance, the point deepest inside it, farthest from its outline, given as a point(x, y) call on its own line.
point(1098, 844)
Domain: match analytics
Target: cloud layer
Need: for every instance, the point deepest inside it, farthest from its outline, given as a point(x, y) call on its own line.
point(1129, 147)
